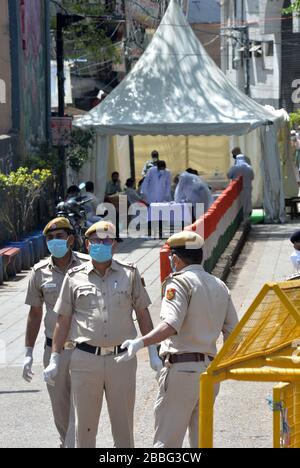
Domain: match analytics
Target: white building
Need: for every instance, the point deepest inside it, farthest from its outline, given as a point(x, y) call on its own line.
point(260, 50)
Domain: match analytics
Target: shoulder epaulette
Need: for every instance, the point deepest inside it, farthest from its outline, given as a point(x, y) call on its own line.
point(178, 276)
point(82, 256)
point(132, 266)
point(77, 268)
point(41, 264)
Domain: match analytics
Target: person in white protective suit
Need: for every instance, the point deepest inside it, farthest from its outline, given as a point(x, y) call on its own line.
point(156, 187)
point(241, 168)
point(192, 189)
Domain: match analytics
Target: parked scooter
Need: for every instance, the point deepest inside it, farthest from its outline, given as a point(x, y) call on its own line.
point(73, 210)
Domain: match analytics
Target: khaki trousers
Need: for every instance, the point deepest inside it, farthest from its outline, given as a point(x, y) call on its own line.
point(60, 396)
point(91, 376)
point(177, 405)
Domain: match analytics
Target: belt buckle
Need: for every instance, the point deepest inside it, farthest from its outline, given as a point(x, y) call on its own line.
point(167, 361)
point(108, 351)
point(69, 345)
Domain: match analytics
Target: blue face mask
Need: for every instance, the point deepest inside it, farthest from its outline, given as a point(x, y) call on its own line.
point(101, 253)
point(58, 247)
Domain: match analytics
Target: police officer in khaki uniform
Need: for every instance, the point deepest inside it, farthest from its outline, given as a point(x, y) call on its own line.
point(196, 308)
point(44, 287)
point(100, 297)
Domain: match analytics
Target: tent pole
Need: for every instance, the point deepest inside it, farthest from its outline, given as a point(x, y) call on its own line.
point(131, 157)
point(186, 152)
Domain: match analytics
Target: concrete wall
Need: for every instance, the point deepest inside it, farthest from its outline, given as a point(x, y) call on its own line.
point(208, 35)
point(34, 69)
point(264, 25)
point(5, 71)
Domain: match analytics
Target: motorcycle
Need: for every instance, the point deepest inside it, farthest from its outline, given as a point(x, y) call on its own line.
point(73, 210)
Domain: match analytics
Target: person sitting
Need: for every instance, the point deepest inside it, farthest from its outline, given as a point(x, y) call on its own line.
point(132, 195)
point(92, 205)
point(73, 192)
point(114, 185)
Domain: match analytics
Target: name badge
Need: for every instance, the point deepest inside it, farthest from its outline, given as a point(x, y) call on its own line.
point(50, 285)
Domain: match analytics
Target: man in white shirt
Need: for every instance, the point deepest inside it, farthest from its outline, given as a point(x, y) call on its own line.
point(157, 184)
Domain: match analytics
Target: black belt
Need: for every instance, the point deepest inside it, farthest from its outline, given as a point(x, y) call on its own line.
point(187, 357)
point(68, 345)
point(100, 351)
point(49, 342)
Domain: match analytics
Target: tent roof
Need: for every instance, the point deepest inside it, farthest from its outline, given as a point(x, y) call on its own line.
point(176, 89)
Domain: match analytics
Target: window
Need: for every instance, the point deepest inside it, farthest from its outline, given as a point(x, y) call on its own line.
point(269, 49)
point(256, 49)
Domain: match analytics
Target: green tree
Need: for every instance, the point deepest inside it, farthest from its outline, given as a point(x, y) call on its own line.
point(295, 119)
point(293, 8)
point(79, 150)
point(90, 37)
point(19, 193)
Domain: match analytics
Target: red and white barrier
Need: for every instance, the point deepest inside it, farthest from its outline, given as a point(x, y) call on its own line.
point(218, 226)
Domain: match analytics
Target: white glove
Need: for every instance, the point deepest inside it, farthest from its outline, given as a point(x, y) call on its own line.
point(27, 365)
point(155, 361)
point(133, 346)
point(52, 370)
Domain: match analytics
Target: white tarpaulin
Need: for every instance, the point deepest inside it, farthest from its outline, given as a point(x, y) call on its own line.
point(177, 89)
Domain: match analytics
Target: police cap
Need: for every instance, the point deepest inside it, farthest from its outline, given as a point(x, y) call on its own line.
point(57, 223)
point(102, 229)
point(185, 240)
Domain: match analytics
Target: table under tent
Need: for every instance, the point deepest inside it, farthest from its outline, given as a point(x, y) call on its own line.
point(176, 89)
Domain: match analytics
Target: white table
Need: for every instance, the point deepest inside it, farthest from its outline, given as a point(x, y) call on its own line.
point(168, 218)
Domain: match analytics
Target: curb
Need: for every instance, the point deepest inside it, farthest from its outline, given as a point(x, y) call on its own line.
point(232, 252)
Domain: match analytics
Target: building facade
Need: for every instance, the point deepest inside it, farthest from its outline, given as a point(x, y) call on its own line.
point(6, 153)
point(259, 50)
point(24, 79)
point(205, 16)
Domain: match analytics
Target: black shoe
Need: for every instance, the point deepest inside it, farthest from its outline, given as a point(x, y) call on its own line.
point(119, 240)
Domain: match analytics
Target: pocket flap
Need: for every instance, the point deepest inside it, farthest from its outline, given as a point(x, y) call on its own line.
point(86, 290)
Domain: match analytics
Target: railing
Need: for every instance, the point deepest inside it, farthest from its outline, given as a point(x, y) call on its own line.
point(218, 226)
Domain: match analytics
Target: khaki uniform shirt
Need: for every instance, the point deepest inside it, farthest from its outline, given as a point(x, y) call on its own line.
point(199, 307)
point(45, 284)
point(102, 305)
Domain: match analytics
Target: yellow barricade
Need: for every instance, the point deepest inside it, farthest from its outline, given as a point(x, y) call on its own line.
point(265, 346)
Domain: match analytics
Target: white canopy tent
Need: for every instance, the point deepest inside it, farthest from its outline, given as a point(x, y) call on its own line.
point(176, 89)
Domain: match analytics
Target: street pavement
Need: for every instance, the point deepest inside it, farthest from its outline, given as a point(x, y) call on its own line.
point(242, 415)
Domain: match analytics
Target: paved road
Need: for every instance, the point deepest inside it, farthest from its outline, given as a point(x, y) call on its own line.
point(242, 416)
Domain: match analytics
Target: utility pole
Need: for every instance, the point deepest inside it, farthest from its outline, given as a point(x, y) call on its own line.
point(247, 59)
point(61, 98)
point(244, 30)
point(127, 70)
point(62, 21)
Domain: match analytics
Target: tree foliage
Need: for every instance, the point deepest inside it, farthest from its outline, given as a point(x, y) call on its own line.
point(19, 192)
point(293, 8)
point(88, 39)
point(79, 150)
point(295, 119)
